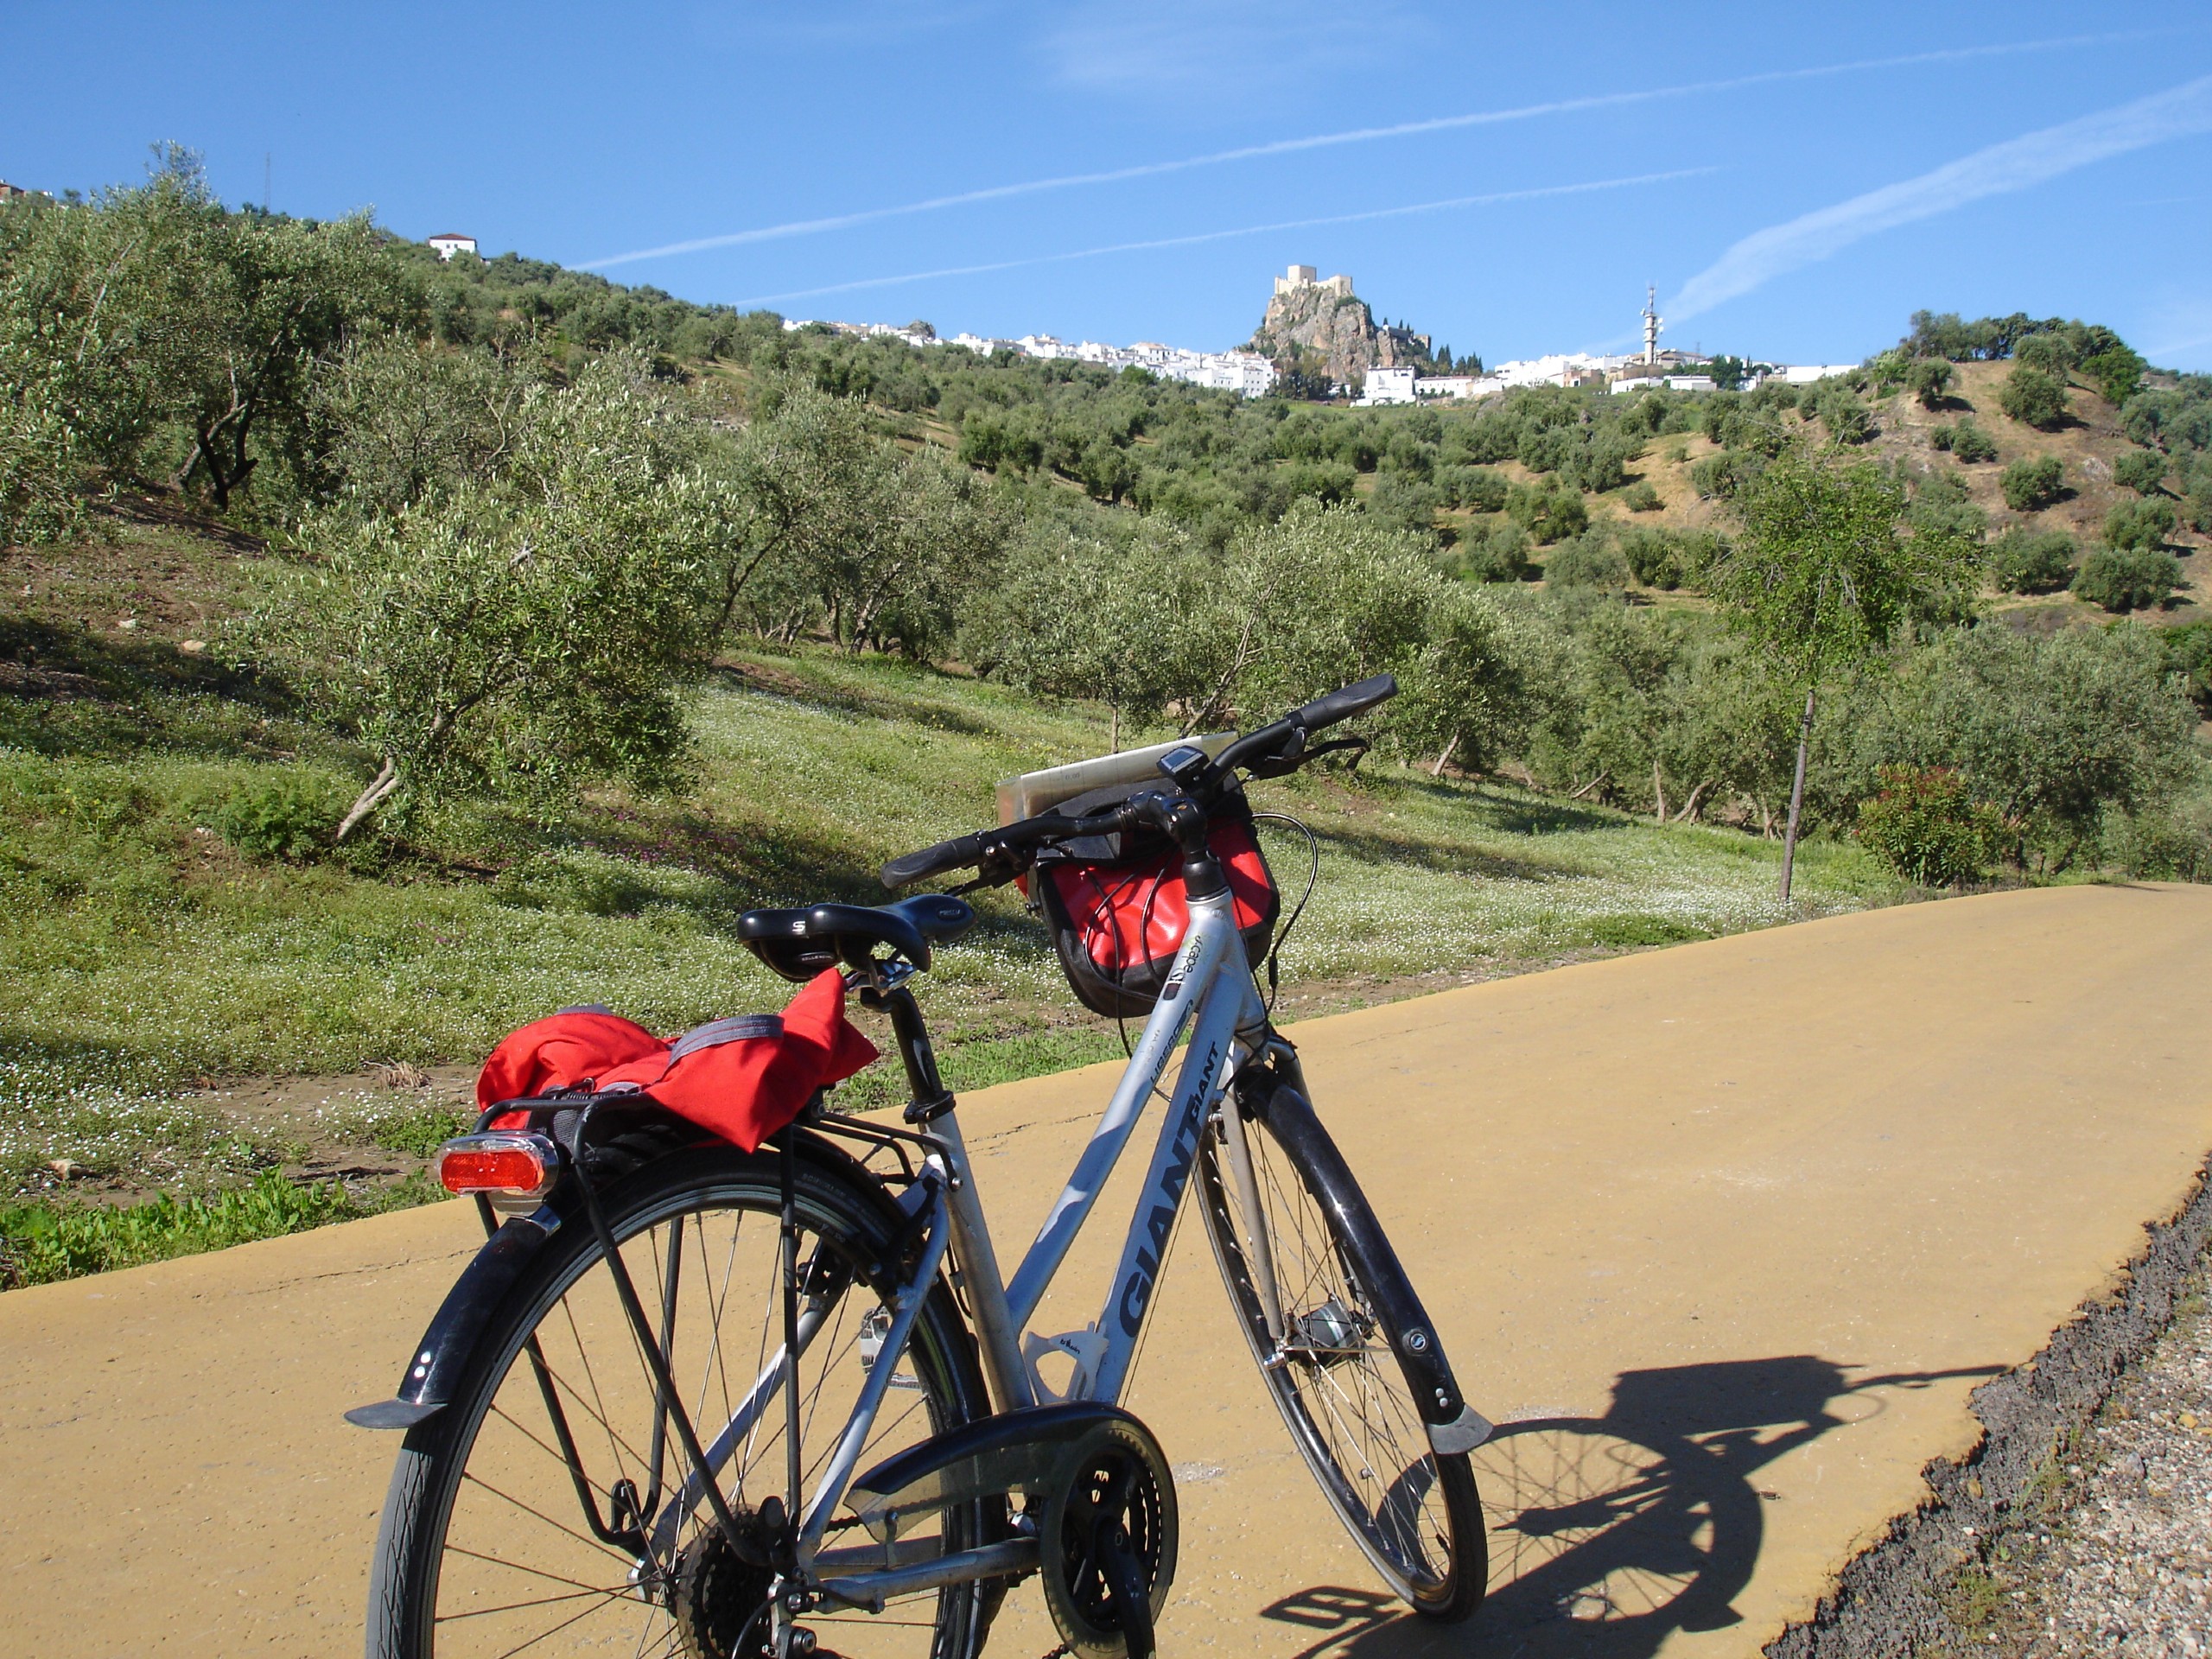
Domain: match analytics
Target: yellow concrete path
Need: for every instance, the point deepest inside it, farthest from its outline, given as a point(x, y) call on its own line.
point(1730, 1230)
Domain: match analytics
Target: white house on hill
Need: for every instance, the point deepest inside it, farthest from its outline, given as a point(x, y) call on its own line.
point(453, 242)
point(1387, 386)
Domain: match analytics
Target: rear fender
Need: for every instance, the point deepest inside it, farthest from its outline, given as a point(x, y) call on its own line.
point(435, 1366)
point(438, 1360)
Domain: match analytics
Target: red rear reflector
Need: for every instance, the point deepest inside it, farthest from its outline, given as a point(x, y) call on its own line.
point(521, 1166)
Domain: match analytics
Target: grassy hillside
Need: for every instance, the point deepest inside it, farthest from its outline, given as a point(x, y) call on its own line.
point(2086, 447)
point(162, 939)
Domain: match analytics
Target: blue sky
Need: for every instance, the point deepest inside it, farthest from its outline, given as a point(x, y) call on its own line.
point(1796, 181)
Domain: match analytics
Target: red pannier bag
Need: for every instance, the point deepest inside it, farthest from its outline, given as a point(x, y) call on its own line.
point(1117, 908)
point(742, 1079)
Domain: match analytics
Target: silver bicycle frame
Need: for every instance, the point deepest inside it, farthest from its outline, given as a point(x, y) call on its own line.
point(1211, 995)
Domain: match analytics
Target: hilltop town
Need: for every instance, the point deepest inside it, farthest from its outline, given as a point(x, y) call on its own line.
point(1320, 339)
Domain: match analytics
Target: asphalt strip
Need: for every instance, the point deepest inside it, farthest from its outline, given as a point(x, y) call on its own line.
point(1754, 1249)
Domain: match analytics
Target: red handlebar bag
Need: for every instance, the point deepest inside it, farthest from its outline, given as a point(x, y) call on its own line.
point(741, 1078)
point(1117, 909)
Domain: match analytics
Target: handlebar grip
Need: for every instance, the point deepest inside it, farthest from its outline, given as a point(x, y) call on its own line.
point(956, 854)
point(1344, 704)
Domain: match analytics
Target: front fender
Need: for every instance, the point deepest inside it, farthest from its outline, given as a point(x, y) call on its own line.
point(435, 1365)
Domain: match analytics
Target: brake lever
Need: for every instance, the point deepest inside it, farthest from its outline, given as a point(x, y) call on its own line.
point(1281, 765)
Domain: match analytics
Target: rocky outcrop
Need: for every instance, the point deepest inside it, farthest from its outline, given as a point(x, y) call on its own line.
point(1320, 328)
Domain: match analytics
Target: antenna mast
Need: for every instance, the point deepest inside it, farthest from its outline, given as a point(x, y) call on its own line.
point(1651, 325)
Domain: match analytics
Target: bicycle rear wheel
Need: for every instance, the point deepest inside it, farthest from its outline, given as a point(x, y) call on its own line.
point(1349, 1403)
point(496, 1533)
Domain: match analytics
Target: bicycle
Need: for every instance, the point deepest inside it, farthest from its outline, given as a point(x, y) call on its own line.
point(640, 1419)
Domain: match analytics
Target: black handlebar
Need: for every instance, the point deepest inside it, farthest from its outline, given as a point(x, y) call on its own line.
point(1343, 704)
point(1284, 737)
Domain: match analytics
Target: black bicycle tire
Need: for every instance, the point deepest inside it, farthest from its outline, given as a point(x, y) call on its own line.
point(403, 1589)
point(1464, 1584)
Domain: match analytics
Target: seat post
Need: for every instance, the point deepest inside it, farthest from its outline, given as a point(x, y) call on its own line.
point(931, 1097)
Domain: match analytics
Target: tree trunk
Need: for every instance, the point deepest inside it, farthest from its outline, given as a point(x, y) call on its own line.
point(379, 791)
point(1579, 793)
point(1688, 814)
point(1658, 795)
point(1113, 728)
point(1797, 794)
point(1437, 770)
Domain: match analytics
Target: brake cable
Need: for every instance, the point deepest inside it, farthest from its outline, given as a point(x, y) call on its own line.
point(1312, 879)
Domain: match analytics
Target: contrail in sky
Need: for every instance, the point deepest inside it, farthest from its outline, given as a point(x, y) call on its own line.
point(2013, 165)
point(1329, 140)
point(1244, 230)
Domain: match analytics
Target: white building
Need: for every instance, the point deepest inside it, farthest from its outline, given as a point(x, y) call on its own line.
point(1303, 277)
point(1387, 386)
point(1458, 385)
point(1805, 374)
point(453, 242)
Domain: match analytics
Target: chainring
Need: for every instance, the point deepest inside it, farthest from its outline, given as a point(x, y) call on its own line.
point(1107, 1542)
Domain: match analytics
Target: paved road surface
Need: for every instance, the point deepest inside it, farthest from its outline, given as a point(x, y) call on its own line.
point(1725, 1234)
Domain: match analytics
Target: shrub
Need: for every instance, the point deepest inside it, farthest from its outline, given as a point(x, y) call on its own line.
point(1848, 421)
point(1499, 554)
point(1641, 497)
point(1924, 825)
point(2139, 524)
point(1479, 487)
point(1661, 558)
point(2188, 653)
point(1590, 560)
point(2032, 562)
point(1547, 514)
point(2123, 579)
point(1723, 475)
point(2114, 372)
point(2139, 470)
point(2033, 398)
point(2030, 486)
point(1970, 443)
point(1929, 379)
point(2052, 353)
point(281, 818)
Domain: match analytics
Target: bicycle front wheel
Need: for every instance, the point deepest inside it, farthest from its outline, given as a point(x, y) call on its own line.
point(1326, 1359)
point(544, 1510)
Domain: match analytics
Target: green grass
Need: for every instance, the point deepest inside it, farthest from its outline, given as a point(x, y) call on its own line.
point(42, 1242)
point(140, 951)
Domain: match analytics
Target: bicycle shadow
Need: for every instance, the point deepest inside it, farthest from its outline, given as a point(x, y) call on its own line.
point(1607, 1535)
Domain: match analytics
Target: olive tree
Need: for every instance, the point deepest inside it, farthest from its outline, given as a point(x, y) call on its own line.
point(517, 638)
point(1821, 576)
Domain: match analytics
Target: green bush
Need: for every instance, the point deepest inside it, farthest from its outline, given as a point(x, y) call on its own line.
point(1498, 554)
point(1590, 560)
point(2139, 470)
point(2033, 398)
point(1929, 379)
point(2139, 524)
point(1970, 443)
point(1848, 421)
point(2124, 579)
point(2052, 353)
point(1641, 497)
point(2188, 653)
point(2031, 486)
point(1549, 515)
point(2115, 374)
point(1664, 558)
point(1924, 825)
point(2032, 562)
point(286, 816)
point(1721, 475)
point(1477, 487)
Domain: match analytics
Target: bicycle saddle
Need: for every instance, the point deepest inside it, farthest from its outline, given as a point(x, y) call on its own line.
point(800, 943)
